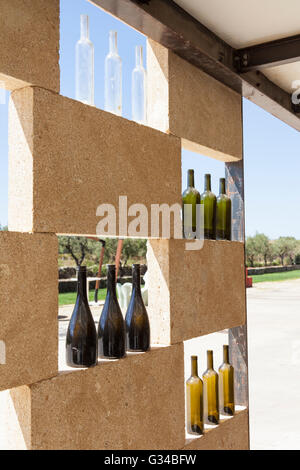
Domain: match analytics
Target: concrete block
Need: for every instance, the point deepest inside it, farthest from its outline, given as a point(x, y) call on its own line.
point(67, 158)
point(133, 403)
point(29, 37)
point(231, 434)
point(186, 102)
point(194, 292)
point(28, 308)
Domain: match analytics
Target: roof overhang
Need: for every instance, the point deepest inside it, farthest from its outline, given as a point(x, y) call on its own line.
point(253, 50)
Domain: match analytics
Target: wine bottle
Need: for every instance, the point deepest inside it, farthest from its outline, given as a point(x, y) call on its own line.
point(136, 320)
point(209, 200)
point(194, 400)
point(111, 328)
point(85, 64)
point(190, 199)
point(223, 224)
point(210, 392)
point(138, 91)
point(113, 77)
point(81, 342)
point(226, 384)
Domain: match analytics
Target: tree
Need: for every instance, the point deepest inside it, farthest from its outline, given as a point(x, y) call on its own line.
point(285, 247)
point(263, 247)
point(77, 247)
point(3, 228)
point(251, 252)
point(82, 248)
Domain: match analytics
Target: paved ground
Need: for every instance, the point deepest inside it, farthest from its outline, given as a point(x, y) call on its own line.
point(274, 364)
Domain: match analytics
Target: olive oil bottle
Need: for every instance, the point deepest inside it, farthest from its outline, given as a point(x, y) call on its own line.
point(210, 392)
point(194, 400)
point(226, 384)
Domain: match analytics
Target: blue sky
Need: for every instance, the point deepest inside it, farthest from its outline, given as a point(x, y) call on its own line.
point(272, 164)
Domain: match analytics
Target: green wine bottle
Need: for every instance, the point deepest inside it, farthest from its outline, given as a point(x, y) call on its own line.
point(194, 400)
point(209, 200)
point(210, 392)
point(226, 384)
point(136, 320)
point(223, 214)
point(190, 198)
point(111, 328)
point(81, 341)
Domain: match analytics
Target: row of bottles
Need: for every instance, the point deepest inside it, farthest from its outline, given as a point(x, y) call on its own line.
point(212, 395)
point(217, 210)
point(85, 82)
point(115, 336)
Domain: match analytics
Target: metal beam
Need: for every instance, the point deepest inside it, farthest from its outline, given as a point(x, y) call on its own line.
point(168, 24)
point(269, 54)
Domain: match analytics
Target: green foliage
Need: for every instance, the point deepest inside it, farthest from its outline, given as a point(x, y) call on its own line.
point(4, 228)
point(251, 253)
point(77, 247)
point(82, 249)
point(286, 247)
point(260, 250)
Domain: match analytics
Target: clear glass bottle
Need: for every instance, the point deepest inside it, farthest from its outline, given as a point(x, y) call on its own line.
point(113, 77)
point(138, 89)
point(85, 64)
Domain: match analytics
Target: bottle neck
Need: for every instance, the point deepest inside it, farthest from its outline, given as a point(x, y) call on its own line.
point(111, 279)
point(139, 56)
point(190, 179)
point(81, 282)
point(194, 365)
point(226, 354)
point(136, 278)
point(210, 361)
point(222, 186)
point(84, 26)
point(207, 183)
point(113, 42)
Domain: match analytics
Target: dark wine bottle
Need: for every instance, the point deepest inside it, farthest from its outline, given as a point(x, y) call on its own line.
point(136, 320)
point(210, 392)
point(226, 384)
point(81, 342)
point(111, 328)
point(194, 400)
point(209, 200)
point(223, 224)
point(190, 198)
